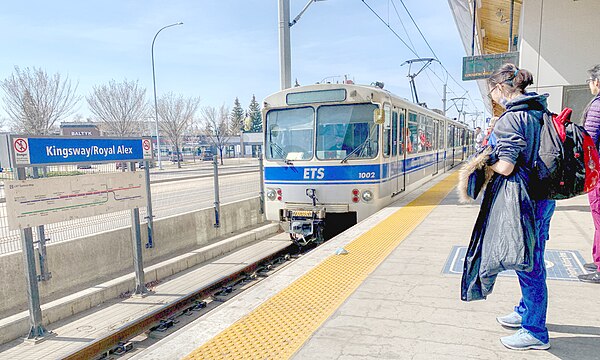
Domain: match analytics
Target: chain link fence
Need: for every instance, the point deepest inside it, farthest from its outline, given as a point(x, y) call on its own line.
point(174, 191)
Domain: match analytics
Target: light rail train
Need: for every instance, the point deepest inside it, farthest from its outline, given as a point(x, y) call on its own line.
point(335, 154)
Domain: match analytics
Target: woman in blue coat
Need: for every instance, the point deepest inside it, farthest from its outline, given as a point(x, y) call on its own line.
point(512, 227)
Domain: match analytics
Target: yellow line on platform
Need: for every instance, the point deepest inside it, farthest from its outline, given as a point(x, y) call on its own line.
point(282, 324)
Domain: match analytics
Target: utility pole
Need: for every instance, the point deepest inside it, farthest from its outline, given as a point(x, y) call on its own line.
point(413, 87)
point(285, 53)
point(285, 50)
point(444, 99)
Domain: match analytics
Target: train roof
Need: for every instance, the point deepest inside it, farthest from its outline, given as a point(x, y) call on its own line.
point(360, 93)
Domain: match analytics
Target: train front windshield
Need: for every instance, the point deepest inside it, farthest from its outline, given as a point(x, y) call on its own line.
point(343, 131)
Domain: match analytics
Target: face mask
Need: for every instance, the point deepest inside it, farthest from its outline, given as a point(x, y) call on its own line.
point(503, 102)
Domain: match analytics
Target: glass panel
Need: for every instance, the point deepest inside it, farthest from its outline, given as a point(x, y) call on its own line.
point(344, 130)
point(441, 136)
point(412, 134)
point(289, 134)
point(401, 132)
point(421, 138)
point(429, 134)
point(387, 131)
point(394, 133)
point(309, 97)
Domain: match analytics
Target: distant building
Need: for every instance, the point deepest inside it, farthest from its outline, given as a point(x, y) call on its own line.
point(80, 129)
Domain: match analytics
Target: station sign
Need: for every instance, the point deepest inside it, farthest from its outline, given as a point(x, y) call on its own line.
point(482, 66)
point(30, 150)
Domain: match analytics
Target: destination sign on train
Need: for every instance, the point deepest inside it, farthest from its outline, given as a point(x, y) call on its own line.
point(64, 150)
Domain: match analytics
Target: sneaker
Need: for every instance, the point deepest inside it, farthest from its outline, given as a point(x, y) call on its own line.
point(512, 320)
point(593, 278)
point(523, 340)
point(590, 267)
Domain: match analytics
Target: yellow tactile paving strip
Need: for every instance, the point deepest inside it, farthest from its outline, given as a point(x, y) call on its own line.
point(279, 327)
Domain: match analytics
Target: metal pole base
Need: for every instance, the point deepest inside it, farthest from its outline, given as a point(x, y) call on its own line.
point(141, 292)
point(38, 334)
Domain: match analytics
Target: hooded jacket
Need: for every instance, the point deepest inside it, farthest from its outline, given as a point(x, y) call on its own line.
point(505, 233)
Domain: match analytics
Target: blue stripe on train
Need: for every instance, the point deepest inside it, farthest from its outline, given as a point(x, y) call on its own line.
point(363, 174)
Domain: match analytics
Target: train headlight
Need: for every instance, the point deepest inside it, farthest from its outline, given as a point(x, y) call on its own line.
point(367, 195)
point(271, 194)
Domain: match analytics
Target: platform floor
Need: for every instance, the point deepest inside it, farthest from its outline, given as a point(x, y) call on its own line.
point(409, 306)
point(83, 328)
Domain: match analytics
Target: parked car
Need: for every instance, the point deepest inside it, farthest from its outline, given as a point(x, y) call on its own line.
point(207, 156)
point(139, 164)
point(84, 166)
point(173, 157)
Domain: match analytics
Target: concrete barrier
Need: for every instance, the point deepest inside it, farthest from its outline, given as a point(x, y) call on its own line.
point(85, 262)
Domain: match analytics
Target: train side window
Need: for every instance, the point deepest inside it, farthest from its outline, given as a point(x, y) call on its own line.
point(436, 126)
point(441, 132)
point(429, 134)
point(387, 131)
point(401, 132)
point(421, 138)
point(412, 133)
point(394, 133)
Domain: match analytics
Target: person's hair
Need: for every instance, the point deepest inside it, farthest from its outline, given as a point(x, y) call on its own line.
point(594, 72)
point(514, 79)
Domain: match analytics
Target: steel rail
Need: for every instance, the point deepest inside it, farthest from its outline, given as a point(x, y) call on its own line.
point(138, 326)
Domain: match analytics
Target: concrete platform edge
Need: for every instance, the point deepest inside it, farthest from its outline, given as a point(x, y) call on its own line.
point(16, 326)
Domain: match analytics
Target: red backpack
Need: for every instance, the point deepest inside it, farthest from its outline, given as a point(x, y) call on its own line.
point(569, 159)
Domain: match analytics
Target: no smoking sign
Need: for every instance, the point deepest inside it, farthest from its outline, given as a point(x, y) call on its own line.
point(147, 148)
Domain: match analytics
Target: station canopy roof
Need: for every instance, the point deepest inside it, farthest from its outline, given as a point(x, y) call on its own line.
point(493, 19)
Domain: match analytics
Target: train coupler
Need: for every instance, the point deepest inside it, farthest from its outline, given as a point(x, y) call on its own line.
point(306, 226)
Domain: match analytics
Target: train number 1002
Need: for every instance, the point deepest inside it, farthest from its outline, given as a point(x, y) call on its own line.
point(366, 175)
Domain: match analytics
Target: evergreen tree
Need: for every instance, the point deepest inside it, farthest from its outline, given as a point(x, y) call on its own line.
point(237, 116)
point(254, 113)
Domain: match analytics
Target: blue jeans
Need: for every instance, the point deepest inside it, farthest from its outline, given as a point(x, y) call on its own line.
point(534, 303)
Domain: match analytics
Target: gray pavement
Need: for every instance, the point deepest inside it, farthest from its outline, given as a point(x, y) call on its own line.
point(409, 309)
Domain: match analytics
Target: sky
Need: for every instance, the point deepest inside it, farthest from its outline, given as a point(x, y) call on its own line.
point(229, 48)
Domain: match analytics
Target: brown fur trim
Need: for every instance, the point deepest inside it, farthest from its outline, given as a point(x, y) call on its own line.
point(471, 165)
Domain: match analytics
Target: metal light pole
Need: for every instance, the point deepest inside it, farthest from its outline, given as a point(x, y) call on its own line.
point(156, 102)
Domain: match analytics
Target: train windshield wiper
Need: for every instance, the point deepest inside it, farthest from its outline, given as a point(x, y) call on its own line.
point(278, 150)
point(362, 146)
point(358, 148)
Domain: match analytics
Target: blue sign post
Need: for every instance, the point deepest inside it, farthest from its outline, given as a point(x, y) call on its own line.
point(35, 151)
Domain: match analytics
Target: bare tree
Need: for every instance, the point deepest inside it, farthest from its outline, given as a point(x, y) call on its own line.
point(217, 126)
point(176, 114)
point(35, 101)
point(121, 107)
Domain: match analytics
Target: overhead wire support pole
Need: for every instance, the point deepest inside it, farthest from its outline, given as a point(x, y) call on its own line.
point(285, 50)
point(474, 19)
point(413, 87)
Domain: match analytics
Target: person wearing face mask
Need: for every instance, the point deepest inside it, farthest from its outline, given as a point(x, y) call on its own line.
point(591, 123)
point(509, 217)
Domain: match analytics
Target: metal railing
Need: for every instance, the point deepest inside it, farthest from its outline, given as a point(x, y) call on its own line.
point(174, 191)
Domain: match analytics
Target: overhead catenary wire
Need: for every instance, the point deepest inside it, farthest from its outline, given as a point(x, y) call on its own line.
point(432, 51)
point(413, 50)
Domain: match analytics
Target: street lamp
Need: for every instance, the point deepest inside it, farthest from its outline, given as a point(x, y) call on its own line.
point(156, 102)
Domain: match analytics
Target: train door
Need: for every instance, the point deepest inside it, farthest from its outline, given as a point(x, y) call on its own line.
point(434, 144)
point(398, 129)
point(450, 145)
